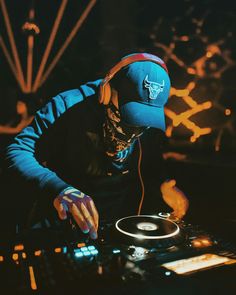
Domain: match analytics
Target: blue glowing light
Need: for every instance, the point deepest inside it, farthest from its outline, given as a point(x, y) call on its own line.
point(115, 251)
point(94, 252)
point(91, 248)
point(83, 249)
point(78, 254)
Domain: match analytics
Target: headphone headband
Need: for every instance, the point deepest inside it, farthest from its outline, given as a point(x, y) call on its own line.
point(104, 87)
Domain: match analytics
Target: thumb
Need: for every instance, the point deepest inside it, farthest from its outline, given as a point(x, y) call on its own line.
point(166, 185)
point(61, 210)
point(171, 182)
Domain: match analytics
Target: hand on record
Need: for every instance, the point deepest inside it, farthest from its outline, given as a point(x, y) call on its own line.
point(174, 198)
point(81, 207)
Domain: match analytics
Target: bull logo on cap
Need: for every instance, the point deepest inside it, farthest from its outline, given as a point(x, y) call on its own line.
point(153, 87)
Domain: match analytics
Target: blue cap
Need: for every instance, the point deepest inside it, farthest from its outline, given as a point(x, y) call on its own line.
point(143, 89)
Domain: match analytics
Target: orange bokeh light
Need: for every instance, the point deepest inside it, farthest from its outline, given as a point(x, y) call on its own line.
point(15, 256)
point(37, 253)
point(19, 247)
point(227, 112)
point(57, 250)
point(209, 54)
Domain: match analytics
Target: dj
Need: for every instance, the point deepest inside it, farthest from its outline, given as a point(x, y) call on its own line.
point(95, 151)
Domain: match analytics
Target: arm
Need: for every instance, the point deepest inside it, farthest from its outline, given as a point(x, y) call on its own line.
point(171, 195)
point(22, 161)
point(21, 154)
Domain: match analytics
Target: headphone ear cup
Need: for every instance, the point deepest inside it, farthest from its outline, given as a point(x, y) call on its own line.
point(106, 94)
point(101, 96)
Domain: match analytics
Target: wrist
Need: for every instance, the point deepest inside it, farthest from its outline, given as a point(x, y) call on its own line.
point(71, 192)
point(66, 191)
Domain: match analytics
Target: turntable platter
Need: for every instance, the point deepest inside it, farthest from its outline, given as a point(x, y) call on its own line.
point(147, 227)
point(148, 230)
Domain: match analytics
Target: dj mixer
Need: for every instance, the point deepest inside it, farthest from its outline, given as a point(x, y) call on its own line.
point(135, 255)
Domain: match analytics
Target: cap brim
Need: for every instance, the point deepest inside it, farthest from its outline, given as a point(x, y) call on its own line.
point(139, 114)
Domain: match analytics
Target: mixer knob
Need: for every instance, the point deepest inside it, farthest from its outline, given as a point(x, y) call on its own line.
point(131, 250)
point(164, 214)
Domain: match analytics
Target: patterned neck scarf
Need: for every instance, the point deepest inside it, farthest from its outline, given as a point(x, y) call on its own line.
point(118, 137)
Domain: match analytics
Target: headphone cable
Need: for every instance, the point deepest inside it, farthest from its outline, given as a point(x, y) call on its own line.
point(140, 177)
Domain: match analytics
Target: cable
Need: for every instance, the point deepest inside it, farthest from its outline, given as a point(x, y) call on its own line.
point(140, 177)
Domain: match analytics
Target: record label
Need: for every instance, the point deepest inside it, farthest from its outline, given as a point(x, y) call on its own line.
point(148, 226)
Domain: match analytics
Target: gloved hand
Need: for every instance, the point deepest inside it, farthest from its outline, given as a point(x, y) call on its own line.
point(174, 198)
point(81, 207)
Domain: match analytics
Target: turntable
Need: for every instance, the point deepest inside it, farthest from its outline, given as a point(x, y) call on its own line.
point(149, 231)
point(133, 255)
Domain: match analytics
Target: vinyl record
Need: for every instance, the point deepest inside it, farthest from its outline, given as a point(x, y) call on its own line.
point(147, 227)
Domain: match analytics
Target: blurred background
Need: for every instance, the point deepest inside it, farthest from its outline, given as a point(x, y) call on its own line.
point(50, 46)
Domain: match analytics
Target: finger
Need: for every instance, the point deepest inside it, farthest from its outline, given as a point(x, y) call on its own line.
point(89, 220)
point(183, 207)
point(79, 218)
point(179, 213)
point(61, 210)
point(93, 211)
point(186, 205)
point(173, 216)
point(176, 215)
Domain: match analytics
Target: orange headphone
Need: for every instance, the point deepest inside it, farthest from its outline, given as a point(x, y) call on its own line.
point(105, 88)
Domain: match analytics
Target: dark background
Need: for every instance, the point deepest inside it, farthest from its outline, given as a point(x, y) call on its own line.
point(181, 32)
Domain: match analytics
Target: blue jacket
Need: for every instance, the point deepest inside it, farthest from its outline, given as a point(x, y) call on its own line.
point(63, 146)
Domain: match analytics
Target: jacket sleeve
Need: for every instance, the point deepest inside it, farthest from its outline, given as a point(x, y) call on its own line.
point(20, 158)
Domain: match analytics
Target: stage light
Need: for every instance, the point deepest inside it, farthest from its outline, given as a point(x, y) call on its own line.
point(31, 28)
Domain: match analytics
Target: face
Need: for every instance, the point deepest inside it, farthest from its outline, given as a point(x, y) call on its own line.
point(118, 135)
